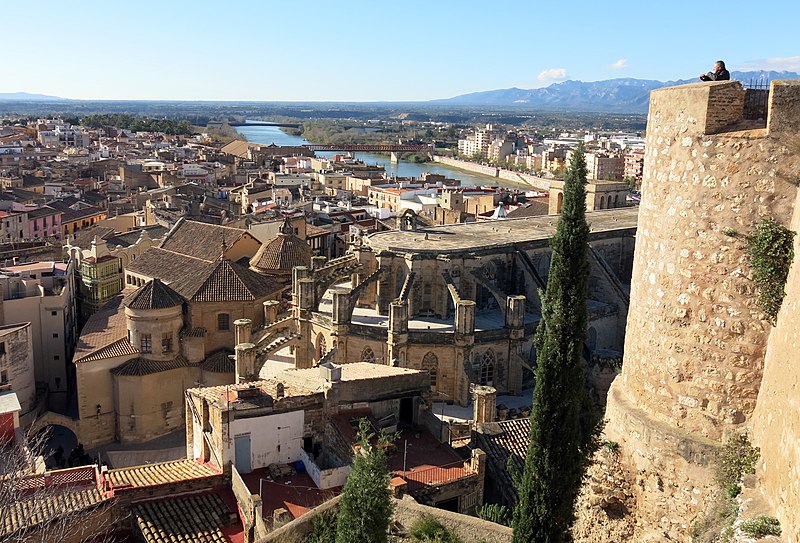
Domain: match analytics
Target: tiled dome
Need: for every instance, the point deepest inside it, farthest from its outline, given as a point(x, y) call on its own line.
point(282, 253)
point(155, 295)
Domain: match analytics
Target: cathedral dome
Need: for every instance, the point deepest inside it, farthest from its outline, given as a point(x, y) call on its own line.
point(282, 253)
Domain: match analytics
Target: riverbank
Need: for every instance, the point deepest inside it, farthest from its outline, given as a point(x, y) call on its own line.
point(274, 135)
point(495, 172)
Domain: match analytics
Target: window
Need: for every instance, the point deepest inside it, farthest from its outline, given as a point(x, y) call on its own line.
point(430, 363)
point(2, 347)
point(56, 357)
point(55, 335)
point(487, 368)
point(146, 343)
point(166, 342)
point(54, 313)
point(368, 355)
point(4, 376)
point(223, 321)
point(322, 347)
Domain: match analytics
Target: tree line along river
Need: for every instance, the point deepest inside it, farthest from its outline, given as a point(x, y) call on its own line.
point(267, 135)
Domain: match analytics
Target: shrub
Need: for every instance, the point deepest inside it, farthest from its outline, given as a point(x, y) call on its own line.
point(323, 528)
point(770, 249)
point(717, 525)
point(494, 512)
point(429, 530)
point(736, 458)
point(761, 526)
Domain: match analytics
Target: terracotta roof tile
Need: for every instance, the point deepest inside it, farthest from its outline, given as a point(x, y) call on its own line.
point(166, 265)
point(200, 240)
point(282, 253)
point(144, 366)
point(219, 362)
point(226, 281)
point(121, 347)
point(507, 442)
point(155, 295)
point(66, 492)
point(159, 473)
point(199, 518)
point(197, 331)
point(105, 334)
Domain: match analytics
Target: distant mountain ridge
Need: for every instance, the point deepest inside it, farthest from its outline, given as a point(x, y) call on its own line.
point(623, 95)
point(28, 97)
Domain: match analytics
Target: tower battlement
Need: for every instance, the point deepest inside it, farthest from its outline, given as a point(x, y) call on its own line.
point(696, 339)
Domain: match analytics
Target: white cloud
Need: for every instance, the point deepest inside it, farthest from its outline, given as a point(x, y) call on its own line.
point(779, 64)
point(553, 74)
point(621, 64)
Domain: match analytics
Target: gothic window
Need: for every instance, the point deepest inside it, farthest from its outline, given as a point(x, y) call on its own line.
point(368, 355)
point(488, 362)
point(427, 295)
point(322, 348)
point(430, 363)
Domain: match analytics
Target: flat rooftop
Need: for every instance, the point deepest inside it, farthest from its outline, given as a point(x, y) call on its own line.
point(355, 371)
point(456, 238)
point(296, 493)
point(250, 395)
point(485, 319)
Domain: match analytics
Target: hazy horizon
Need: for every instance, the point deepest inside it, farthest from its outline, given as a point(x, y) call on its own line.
point(367, 52)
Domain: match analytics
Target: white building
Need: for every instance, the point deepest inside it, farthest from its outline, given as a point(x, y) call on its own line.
point(43, 294)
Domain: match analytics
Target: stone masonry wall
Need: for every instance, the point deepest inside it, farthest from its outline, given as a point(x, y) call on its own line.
point(695, 338)
point(776, 421)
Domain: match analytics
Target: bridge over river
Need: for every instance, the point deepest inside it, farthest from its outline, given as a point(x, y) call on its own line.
point(393, 149)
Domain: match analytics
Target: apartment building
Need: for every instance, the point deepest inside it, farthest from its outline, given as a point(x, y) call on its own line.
point(14, 227)
point(604, 166)
point(43, 293)
point(634, 164)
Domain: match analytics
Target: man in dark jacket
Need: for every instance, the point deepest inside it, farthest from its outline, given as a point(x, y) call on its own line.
point(719, 73)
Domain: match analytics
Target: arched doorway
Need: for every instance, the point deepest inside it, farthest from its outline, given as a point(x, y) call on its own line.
point(56, 444)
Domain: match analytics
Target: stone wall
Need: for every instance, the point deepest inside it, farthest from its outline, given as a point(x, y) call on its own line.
point(492, 171)
point(776, 421)
point(406, 513)
point(696, 338)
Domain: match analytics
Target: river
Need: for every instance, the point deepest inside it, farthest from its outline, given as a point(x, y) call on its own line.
point(272, 134)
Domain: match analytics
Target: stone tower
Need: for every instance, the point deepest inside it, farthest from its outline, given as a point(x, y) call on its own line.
point(696, 338)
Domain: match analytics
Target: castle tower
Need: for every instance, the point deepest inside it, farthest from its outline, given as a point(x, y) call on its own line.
point(696, 338)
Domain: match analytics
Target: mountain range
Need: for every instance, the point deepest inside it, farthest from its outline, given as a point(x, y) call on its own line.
point(623, 95)
point(28, 97)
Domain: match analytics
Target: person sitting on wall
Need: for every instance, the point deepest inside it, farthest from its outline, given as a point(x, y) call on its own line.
point(719, 73)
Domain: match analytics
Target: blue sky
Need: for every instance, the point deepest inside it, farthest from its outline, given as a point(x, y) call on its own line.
point(340, 50)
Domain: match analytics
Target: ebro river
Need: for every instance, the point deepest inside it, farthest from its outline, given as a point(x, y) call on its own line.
point(267, 135)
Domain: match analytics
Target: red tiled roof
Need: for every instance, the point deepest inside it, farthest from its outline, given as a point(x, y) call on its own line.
point(105, 334)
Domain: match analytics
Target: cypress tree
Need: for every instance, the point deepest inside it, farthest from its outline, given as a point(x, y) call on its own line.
point(365, 508)
point(562, 421)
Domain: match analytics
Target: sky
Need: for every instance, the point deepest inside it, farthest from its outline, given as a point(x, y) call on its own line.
point(407, 50)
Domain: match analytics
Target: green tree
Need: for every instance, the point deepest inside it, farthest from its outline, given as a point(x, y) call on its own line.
point(365, 508)
point(563, 424)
